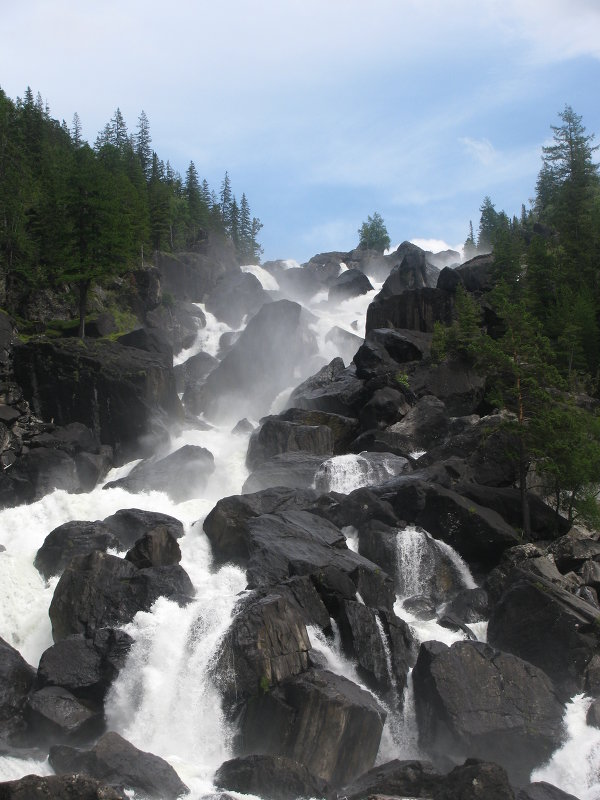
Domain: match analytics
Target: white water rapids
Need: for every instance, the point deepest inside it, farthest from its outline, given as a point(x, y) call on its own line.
point(164, 700)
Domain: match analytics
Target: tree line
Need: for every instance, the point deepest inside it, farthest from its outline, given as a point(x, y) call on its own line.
point(536, 335)
point(72, 213)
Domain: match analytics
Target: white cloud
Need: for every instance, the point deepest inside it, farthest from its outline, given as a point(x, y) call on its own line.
point(481, 149)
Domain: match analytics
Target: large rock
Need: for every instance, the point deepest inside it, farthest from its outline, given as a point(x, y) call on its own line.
point(182, 474)
point(85, 667)
point(456, 383)
point(393, 779)
point(261, 363)
point(74, 538)
point(343, 429)
point(114, 760)
point(319, 719)
point(100, 590)
point(149, 339)
point(125, 395)
point(266, 643)
point(191, 276)
point(130, 524)
point(191, 373)
point(411, 271)
point(271, 777)
point(16, 679)
point(58, 787)
point(276, 436)
point(158, 548)
point(416, 309)
point(53, 714)
point(425, 425)
point(475, 780)
point(507, 711)
point(351, 283)
point(295, 470)
point(234, 296)
point(335, 389)
point(385, 350)
point(559, 633)
point(35, 474)
point(477, 274)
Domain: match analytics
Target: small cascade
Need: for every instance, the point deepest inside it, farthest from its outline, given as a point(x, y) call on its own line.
point(575, 767)
point(268, 282)
point(207, 338)
point(413, 563)
point(349, 472)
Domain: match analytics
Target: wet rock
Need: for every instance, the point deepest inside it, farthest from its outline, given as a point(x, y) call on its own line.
point(475, 780)
point(416, 309)
point(16, 680)
point(593, 714)
point(351, 283)
point(130, 524)
point(276, 436)
point(85, 667)
point(461, 388)
point(477, 274)
point(114, 760)
point(234, 296)
point(149, 339)
point(540, 790)
point(266, 643)
point(35, 474)
point(508, 711)
point(393, 779)
point(261, 363)
point(182, 474)
point(470, 605)
point(385, 407)
point(53, 714)
point(295, 470)
point(559, 633)
point(322, 720)
point(271, 777)
point(72, 539)
point(192, 373)
point(58, 787)
point(335, 389)
point(426, 424)
point(343, 429)
point(191, 276)
point(385, 350)
point(99, 590)
point(155, 549)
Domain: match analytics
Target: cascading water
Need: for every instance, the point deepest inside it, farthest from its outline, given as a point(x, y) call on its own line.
point(165, 700)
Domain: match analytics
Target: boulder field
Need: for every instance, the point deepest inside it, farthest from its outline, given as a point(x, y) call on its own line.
point(434, 481)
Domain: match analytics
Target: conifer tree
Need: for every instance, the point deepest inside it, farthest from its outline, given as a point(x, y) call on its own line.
point(142, 142)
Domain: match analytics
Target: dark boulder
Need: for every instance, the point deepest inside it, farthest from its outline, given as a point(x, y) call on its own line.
point(455, 382)
point(85, 667)
point(16, 680)
point(540, 790)
point(393, 779)
point(130, 524)
point(477, 274)
point(351, 283)
point(381, 643)
point(158, 548)
point(295, 470)
point(191, 373)
point(335, 389)
point(182, 475)
point(507, 711)
point(411, 270)
point(58, 787)
point(320, 719)
point(114, 760)
point(470, 605)
point(261, 363)
point(276, 436)
point(234, 296)
point(125, 395)
point(226, 525)
point(415, 310)
point(270, 777)
point(35, 474)
point(149, 339)
point(99, 590)
point(266, 643)
point(559, 633)
point(425, 425)
point(53, 714)
point(178, 324)
point(74, 538)
point(343, 429)
point(475, 780)
point(570, 553)
point(191, 276)
point(386, 406)
point(385, 350)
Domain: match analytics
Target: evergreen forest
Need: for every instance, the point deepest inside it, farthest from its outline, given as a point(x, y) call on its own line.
point(76, 215)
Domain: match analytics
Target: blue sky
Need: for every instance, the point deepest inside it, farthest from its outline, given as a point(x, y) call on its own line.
point(324, 111)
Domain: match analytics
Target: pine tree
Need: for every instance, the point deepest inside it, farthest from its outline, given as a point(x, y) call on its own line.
point(373, 234)
point(118, 131)
point(488, 223)
point(142, 142)
point(76, 130)
point(225, 198)
point(469, 247)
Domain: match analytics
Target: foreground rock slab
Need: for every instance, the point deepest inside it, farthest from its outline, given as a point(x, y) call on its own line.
point(270, 777)
point(114, 760)
point(58, 787)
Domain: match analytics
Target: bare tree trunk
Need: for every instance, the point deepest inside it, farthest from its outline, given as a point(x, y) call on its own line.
point(83, 293)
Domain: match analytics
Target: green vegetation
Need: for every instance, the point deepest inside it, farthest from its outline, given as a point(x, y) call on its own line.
point(373, 234)
point(75, 215)
point(544, 346)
